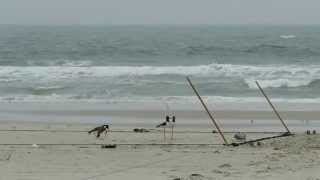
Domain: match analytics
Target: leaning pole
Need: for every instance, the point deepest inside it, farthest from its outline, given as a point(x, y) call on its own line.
point(209, 113)
point(274, 109)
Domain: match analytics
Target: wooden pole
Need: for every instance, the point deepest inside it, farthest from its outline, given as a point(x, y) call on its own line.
point(274, 109)
point(209, 113)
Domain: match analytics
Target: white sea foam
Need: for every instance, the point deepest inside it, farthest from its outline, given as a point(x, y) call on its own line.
point(47, 88)
point(54, 98)
point(276, 83)
point(290, 36)
point(268, 76)
point(227, 70)
point(77, 63)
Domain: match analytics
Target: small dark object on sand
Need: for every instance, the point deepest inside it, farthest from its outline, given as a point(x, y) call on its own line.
point(308, 132)
point(240, 136)
point(226, 165)
point(108, 146)
point(137, 130)
point(195, 177)
point(314, 132)
point(251, 144)
point(214, 131)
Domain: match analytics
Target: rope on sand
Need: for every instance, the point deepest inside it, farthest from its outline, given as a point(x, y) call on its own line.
point(122, 144)
point(128, 131)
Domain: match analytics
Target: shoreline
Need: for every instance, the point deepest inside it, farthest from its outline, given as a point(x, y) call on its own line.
point(139, 115)
point(224, 111)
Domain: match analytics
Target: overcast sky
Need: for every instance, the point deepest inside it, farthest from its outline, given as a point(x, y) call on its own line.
point(159, 11)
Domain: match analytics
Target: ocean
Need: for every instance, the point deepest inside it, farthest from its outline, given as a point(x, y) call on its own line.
point(141, 63)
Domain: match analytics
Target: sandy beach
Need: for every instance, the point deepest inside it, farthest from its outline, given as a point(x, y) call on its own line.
point(35, 150)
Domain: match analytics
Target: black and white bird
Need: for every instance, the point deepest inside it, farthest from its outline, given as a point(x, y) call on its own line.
point(168, 124)
point(165, 123)
point(100, 129)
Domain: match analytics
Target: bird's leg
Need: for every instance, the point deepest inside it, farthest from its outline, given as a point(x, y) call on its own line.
point(107, 130)
point(171, 132)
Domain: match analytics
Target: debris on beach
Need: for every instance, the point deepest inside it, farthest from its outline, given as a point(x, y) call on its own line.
point(225, 165)
point(34, 145)
point(197, 176)
point(108, 146)
point(177, 178)
point(140, 130)
point(240, 136)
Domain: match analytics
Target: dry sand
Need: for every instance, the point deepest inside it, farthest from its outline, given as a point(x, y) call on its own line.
point(66, 151)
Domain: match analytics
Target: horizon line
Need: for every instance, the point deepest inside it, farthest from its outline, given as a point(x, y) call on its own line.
point(168, 24)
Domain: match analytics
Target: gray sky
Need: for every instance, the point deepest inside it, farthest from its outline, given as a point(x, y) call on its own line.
point(159, 11)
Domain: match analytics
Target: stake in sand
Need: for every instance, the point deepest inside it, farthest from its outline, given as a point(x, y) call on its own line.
point(209, 113)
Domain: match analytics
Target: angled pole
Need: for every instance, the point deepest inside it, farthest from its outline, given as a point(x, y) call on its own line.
point(274, 109)
point(209, 113)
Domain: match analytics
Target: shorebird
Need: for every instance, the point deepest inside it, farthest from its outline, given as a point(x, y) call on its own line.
point(100, 130)
point(168, 124)
point(164, 124)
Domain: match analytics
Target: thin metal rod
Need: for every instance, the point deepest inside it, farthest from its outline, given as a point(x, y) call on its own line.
point(209, 113)
point(274, 109)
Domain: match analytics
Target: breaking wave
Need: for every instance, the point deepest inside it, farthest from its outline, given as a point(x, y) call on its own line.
point(278, 83)
point(271, 76)
point(45, 89)
point(146, 99)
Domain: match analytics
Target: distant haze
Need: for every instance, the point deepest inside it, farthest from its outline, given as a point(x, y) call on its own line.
point(159, 12)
